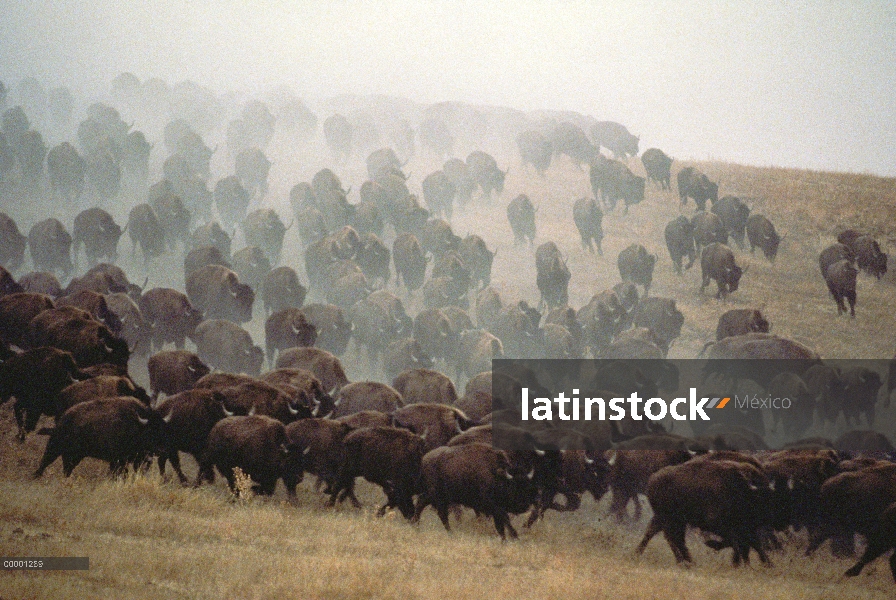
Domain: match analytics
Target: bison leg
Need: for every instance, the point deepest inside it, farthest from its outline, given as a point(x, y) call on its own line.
point(502, 524)
point(69, 462)
point(19, 410)
point(442, 510)
point(653, 528)
point(174, 457)
point(51, 453)
point(874, 550)
point(422, 503)
point(674, 535)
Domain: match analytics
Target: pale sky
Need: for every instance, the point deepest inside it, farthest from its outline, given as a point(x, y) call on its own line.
point(809, 85)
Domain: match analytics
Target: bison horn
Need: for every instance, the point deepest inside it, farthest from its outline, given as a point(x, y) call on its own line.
point(284, 449)
point(530, 474)
point(539, 452)
point(589, 461)
point(306, 451)
point(612, 460)
point(252, 411)
point(143, 421)
point(227, 413)
point(191, 368)
point(167, 418)
point(292, 411)
point(508, 475)
point(424, 434)
point(107, 348)
point(457, 427)
point(790, 483)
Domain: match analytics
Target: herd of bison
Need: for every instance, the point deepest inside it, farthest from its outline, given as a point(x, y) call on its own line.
point(286, 409)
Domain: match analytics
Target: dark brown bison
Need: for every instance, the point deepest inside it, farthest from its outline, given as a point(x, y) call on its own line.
point(730, 499)
point(50, 246)
point(12, 243)
point(226, 346)
point(410, 262)
point(761, 234)
point(734, 214)
point(853, 502)
point(320, 441)
point(199, 257)
point(98, 232)
point(386, 456)
point(373, 257)
point(218, 293)
point(658, 167)
point(258, 445)
point(438, 193)
point(8, 283)
point(95, 304)
point(881, 539)
point(613, 181)
point(833, 254)
point(116, 430)
point(521, 215)
point(101, 386)
point(679, 234)
point(367, 395)
point(211, 235)
point(552, 275)
point(324, 365)
point(404, 354)
point(869, 257)
point(717, 263)
point(76, 331)
point(636, 265)
point(287, 328)
point(694, 184)
point(475, 475)
point(485, 173)
point(17, 310)
point(36, 395)
point(264, 229)
point(423, 385)
point(174, 371)
point(170, 315)
point(40, 282)
point(661, 317)
point(588, 219)
point(191, 415)
point(334, 330)
point(840, 278)
point(739, 321)
point(134, 328)
point(145, 229)
point(438, 423)
point(281, 289)
point(478, 258)
point(615, 138)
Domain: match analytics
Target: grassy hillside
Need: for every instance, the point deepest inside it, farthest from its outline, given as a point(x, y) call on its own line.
point(147, 538)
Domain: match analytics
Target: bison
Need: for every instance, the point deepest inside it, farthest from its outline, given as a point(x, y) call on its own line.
point(761, 234)
point(658, 167)
point(219, 294)
point(717, 263)
point(588, 218)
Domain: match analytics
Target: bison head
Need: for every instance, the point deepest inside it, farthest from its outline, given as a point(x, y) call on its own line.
point(732, 278)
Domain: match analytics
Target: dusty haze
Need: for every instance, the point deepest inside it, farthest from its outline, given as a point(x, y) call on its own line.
point(807, 86)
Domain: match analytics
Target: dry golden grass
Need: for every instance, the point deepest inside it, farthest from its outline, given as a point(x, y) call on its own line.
point(147, 538)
